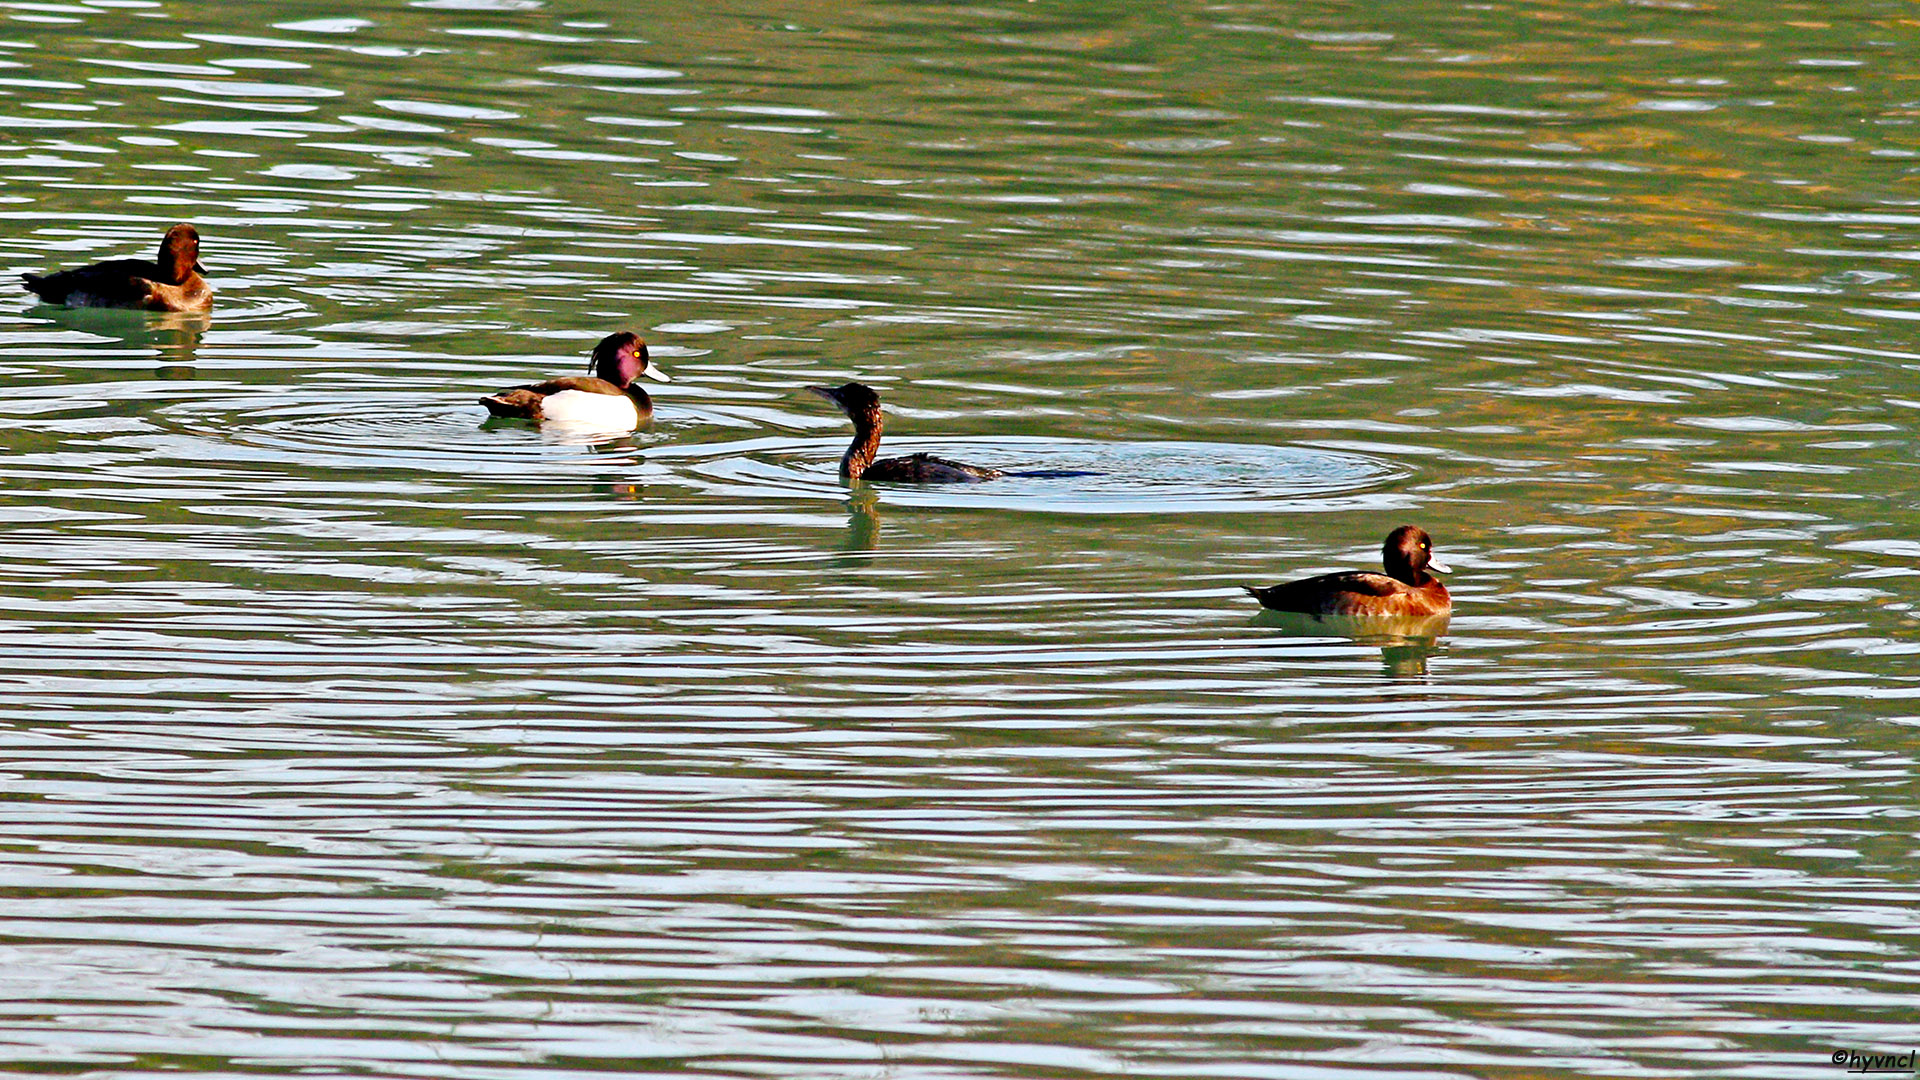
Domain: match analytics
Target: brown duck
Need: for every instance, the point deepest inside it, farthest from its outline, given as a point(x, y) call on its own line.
point(170, 283)
point(1406, 589)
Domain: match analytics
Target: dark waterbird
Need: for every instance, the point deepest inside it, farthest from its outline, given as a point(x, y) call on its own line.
point(1405, 590)
point(170, 283)
point(607, 400)
point(862, 406)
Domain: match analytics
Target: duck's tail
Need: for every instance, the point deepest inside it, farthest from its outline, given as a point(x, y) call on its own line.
point(519, 403)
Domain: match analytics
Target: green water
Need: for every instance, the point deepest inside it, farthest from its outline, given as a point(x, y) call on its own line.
point(345, 732)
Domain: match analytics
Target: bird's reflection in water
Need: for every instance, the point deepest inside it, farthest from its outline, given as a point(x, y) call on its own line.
point(174, 336)
point(1405, 642)
point(632, 486)
point(570, 437)
point(863, 526)
point(625, 491)
point(619, 443)
point(596, 440)
point(570, 440)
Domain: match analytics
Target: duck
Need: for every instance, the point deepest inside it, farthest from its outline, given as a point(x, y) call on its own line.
point(172, 282)
point(862, 406)
point(1405, 590)
point(607, 400)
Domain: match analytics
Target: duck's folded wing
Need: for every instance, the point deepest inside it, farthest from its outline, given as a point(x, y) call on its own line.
point(1328, 593)
point(111, 281)
point(582, 398)
point(924, 468)
point(523, 401)
point(1364, 582)
point(586, 384)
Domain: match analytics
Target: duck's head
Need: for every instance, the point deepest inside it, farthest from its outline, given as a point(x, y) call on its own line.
point(1408, 555)
point(857, 400)
point(621, 358)
point(180, 252)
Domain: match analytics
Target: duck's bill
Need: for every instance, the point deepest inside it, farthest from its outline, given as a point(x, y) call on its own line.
point(825, 392)
point(1439, 567)
point(655, 374)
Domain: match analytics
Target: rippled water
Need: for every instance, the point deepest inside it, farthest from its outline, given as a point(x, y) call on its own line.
point(347, 731)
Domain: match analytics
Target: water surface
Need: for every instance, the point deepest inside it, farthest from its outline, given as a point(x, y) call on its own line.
point(346, 731)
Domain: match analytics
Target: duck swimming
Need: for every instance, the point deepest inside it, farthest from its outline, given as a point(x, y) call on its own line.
point(862, 406)
point(1406, 589)
point(170, 283)
point(607, 400)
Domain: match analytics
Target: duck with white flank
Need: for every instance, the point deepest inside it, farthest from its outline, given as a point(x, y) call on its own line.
point(607, 400)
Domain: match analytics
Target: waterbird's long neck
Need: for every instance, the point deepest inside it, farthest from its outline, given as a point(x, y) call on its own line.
point(865, 445)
